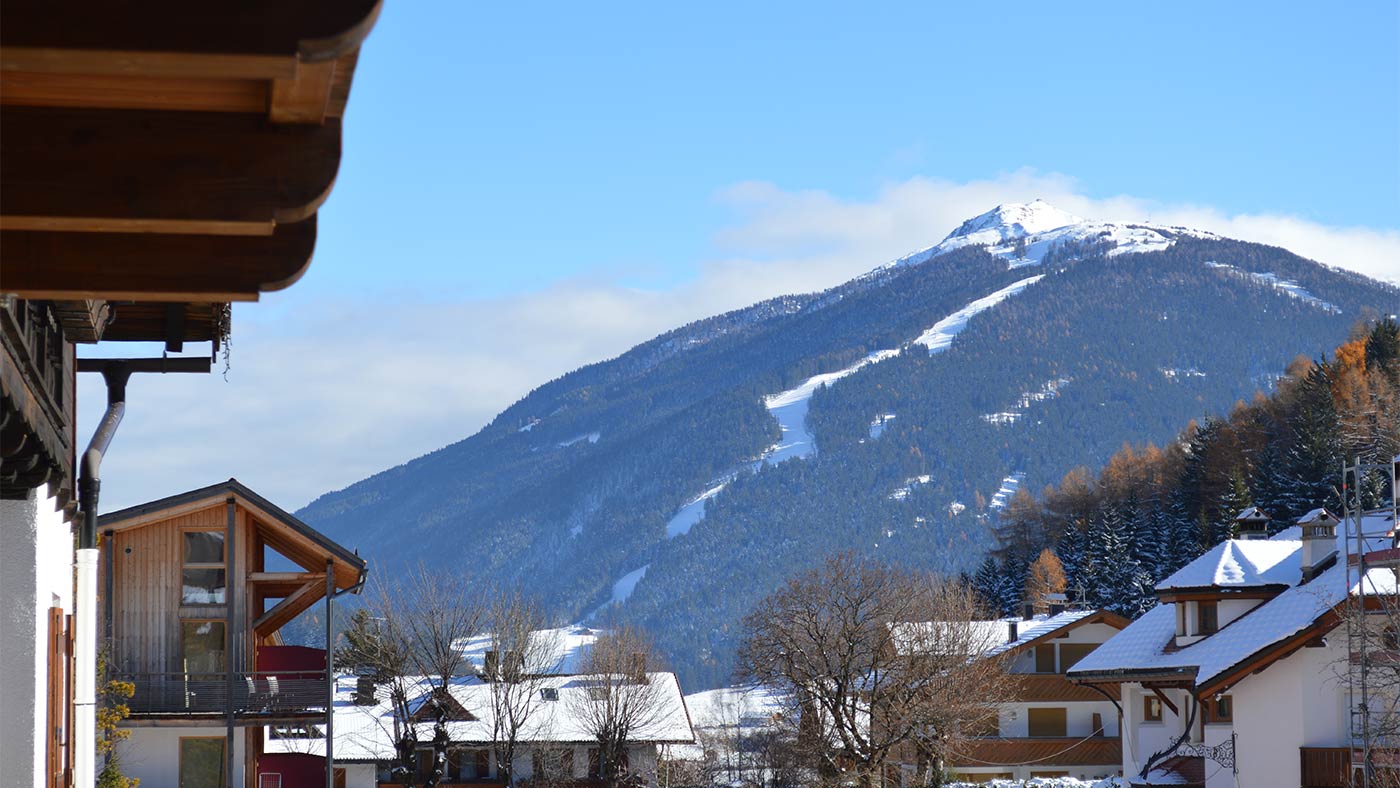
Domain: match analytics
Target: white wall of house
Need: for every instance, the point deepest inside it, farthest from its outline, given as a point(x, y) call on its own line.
point(36, 573)
point(153, 754)
point(1141, 739)
point(359, 775)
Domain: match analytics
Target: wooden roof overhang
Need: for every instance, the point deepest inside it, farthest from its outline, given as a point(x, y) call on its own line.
point(1220, 593)
point(169, 152)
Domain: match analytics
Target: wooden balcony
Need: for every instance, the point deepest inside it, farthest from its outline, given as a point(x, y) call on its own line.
point(36, 370)
point(1052, 688)
point(1068, 751)
point(1340, 767)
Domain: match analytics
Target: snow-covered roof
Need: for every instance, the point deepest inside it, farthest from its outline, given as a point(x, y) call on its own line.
point(989, 638)
point(744, 707)
point(1240, 563)
point(364, 733)
point(1142, 646)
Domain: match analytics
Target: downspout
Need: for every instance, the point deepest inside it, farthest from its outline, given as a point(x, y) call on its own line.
point(116, 373)
point(85, 580)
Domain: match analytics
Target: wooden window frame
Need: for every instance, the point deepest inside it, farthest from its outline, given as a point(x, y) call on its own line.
point(223, 758)
point(1063, 718)
point(1212, 709)
point(223, 565)
point(1148, 703)
point(1201, 608)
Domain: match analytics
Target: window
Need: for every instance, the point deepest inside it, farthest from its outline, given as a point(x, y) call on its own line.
point(1206, 618)
point(202, 581)
point(202, 763)
point(468, 765)
point(1047, 722)
point(549, 693)
point(1220, 710)
point(203, 646)
point(1071, 653)
point(1151, 709)
point(1045, 658)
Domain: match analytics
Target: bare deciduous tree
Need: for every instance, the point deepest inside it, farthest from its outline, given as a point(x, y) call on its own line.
point(881, 666)
point(424, 621)
point(523, 656)
point(621, 700)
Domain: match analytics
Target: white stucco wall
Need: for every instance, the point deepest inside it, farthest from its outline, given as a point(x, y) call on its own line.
point(1142, 739)
point(153, 754)
point(1297, 702)
point(36, 572)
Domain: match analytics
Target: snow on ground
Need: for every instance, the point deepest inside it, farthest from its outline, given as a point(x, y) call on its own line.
point(1023, 403)
point(1176, 373)
point(624, 587)
point(1009, 485)
point(940, 336)
point(1044, 782)
point(567, 646)
point(690, 514)
point(530, 425)
point(790, 409)
point(903, 491)
point(591, 437)
point(1286, 286)
point(877, 427)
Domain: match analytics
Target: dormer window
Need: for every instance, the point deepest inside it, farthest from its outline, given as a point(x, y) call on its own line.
point(549, 694)
point(1207, 620)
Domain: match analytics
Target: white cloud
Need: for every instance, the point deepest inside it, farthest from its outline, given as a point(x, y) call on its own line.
point(327, 394)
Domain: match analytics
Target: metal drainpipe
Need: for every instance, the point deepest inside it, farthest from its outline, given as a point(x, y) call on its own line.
point(85, 570)
point(116, 373)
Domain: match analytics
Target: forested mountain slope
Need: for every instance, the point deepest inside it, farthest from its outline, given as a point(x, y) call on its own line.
point(687, 477)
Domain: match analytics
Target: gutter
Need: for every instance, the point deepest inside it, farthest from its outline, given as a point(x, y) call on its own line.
point(116, 373)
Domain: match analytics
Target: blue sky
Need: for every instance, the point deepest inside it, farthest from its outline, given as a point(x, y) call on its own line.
point(493, 147)
point(527, 188)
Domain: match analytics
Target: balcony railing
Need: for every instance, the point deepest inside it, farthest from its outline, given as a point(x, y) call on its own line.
point(260, 693)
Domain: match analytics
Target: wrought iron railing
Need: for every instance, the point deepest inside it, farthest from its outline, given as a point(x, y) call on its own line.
point(209, 693)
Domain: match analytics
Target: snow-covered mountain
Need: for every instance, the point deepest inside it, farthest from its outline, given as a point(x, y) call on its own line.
point(894, 416)
point(1022, 234)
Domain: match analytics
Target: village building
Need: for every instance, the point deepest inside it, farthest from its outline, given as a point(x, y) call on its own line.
point(555, 745)
point(195, 590)
point(1053, 728)
point(160, 161)
point(1240, 677)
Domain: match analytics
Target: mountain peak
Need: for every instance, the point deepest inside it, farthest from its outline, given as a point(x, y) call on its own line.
point(1013, 220)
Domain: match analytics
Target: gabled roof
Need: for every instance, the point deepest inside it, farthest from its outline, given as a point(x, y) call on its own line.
point(1039, 629)
point(350, 568)
point(1268, 632)
point(1240, 563)
point(364, 733)
point(992, 638)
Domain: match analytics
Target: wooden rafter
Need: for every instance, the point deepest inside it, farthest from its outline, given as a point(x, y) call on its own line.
point(282, 584)
point(78, 170)
point(289, 608)
point(121, 266)
point(1162, 696)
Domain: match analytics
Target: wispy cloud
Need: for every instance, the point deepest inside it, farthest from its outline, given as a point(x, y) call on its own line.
point(323, 394)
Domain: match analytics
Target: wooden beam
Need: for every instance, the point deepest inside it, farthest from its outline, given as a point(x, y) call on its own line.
point(1165, 701)
point(81, 170)
point(230, 38)
point(288, 608)
point(281, 584)
point(165, 268)
point(306, 98)
point(135, 91)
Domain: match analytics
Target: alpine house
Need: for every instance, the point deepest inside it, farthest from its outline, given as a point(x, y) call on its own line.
point(1242, 675)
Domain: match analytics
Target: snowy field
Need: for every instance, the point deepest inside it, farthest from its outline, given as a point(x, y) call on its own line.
point(1286, 286)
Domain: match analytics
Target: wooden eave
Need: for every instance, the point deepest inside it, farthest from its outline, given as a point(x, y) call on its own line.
point(1219, 594)
point(208, 133)
point(277, 528)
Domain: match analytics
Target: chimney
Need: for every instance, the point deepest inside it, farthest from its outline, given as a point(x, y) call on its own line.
point(639, 667)
point(491, 665)
point(1027, 610)
point(1011, 635)
point(1252, 523)
point(1056, 603)
point(364, 691)
point(1319, 541)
